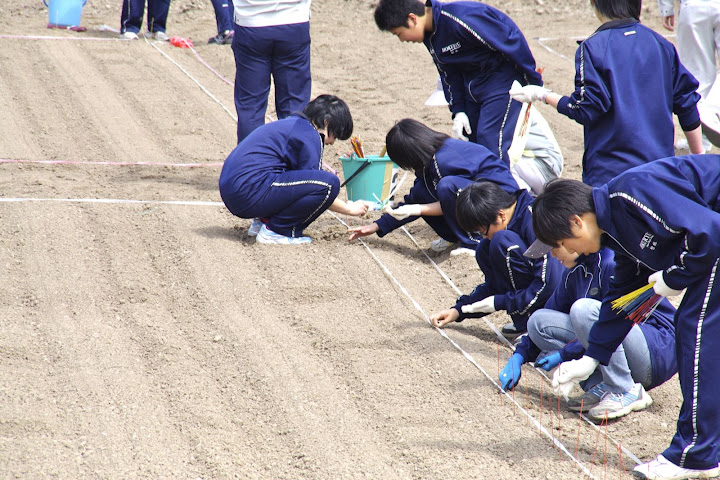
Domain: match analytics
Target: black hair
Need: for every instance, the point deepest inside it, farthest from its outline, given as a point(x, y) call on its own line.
point(390, 14)
point(479, 205)
point(618, 9)
point(330, 111)
point(412, 145)
point(561, 200)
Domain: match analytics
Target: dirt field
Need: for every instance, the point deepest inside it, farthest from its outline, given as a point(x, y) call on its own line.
point(142, 339)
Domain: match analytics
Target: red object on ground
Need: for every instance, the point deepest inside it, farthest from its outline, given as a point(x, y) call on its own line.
point(181, 42)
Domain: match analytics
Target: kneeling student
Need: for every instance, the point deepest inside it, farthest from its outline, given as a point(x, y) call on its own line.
point(275, 173)
point(443, 166)
point(513, 282)
point(559, 332)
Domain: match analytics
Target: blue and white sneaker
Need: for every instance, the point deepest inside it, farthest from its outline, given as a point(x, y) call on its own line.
point(616, 405)
point(255, 227)
point(269, 237)
point(588, 400)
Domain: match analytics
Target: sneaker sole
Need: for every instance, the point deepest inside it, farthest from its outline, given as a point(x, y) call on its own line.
point(706, 474)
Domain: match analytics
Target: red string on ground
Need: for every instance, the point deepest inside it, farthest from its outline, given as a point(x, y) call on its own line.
point(605, 449)
point(577, 442)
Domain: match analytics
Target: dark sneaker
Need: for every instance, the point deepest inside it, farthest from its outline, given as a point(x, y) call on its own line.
point(589, 399)
point(223, 38)
point(511, 332)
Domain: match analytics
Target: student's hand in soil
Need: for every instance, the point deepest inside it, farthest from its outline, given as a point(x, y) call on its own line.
point(363, 231)
point(358, 209)
point(441, 319)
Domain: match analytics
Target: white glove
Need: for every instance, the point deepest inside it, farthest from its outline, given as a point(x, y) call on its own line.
point(528, 93)
point(486, 305)
point(403, 212)
point(572, 372)
point(661, 287)
point(461, 123)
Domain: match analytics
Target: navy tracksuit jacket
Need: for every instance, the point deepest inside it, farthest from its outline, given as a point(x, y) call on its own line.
point(455, 165)
point(663, 215)
point(628, 83)
point(520, 285)
point(276, 173)
point(590, 278)
point(479, 51)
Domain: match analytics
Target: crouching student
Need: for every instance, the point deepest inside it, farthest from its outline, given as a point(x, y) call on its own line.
point(513, 282)
point(661, 220)
point(275, 173)
point(559, 332)
point(442, 167)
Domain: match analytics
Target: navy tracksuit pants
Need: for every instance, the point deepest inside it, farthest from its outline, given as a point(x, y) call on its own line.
point(493, 122)
point(291, 200)
point(132, 15)
point(697, 330)
point(505, 269)
point(282, 51)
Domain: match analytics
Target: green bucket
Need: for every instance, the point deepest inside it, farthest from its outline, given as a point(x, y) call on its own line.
point(368, 178)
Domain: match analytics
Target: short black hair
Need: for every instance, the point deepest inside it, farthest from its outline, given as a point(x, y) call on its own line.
point(618, 9)
point(479, 204)
point(412, 145)
point(331, 111)
point(390, 14)
point(552, 210)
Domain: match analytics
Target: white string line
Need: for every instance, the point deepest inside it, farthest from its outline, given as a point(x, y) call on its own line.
point(469, 357)
point(193, 79)
point(512, 347)
point(115, 200)
point(105, 163)
point(43, 37)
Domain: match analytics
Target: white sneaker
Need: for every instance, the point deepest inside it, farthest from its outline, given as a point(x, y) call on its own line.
point(255, 227)
point(462, 251)
point(129, 35)
point(439, 245)
point(162, 36)
point(663, 469)
point(268, 237)
point(616, 405)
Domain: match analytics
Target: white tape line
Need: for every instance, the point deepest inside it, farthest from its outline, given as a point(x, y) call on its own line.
point(469, 357)
point(114, 200)
point(39, 37)
point(122, 164)
point(512, 347)
point(193, 79)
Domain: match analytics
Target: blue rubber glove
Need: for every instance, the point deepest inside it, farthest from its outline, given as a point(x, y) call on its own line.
point(510, 375)
point(548, 362)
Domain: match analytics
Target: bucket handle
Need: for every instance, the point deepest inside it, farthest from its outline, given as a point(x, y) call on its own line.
point(356, 172)
point(46, 3)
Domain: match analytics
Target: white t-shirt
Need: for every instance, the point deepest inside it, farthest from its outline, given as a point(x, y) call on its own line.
point(269, 13)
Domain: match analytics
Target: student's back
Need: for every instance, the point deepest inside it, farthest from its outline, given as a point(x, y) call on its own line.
point(631, 84)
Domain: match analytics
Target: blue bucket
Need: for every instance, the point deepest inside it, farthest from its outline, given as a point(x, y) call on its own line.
point(64, 13)
point(369, 178)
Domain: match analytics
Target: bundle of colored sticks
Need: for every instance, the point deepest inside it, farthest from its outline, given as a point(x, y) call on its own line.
point(357, 147)
point(638, 305)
